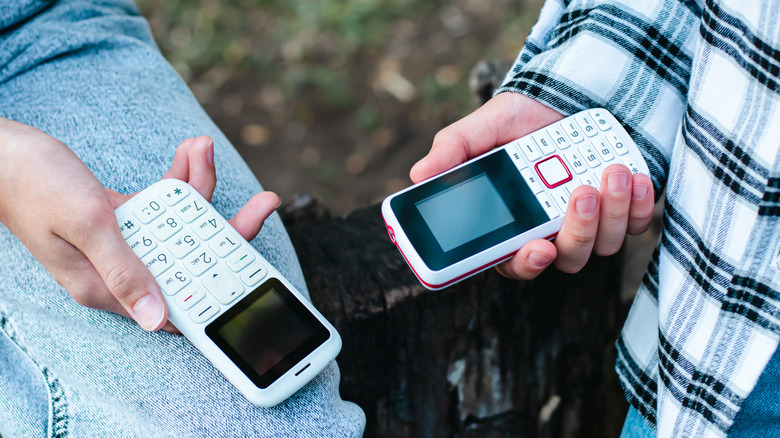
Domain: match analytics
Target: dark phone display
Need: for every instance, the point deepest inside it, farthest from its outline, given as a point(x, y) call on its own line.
point(267, 333)
point(466, 211)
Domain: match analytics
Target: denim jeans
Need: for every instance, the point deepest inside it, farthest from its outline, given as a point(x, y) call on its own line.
point(635, 426)
point(88, 73)
point(758, 417)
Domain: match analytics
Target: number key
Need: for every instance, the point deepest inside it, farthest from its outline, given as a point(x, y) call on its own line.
point(589, 152)
point(173, 281)
point(575, 162)
point(617, 144)
point(165, 227)
point(158, 262)
point(559, 137)
point(529, 149)
point(199, 261)
point(571, 128)
point(148, 211)
point(208, 226)
point(543, 141)
point(183, 245)
point(142, 243)
point(224, 243)
point(192, 210)
point(586, 124)
point(604, 150)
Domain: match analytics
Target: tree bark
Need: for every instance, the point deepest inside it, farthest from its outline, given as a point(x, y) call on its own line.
point(487, 357)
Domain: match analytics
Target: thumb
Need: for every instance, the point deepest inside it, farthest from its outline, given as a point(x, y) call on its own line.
point(504, 118)
point(125, 276)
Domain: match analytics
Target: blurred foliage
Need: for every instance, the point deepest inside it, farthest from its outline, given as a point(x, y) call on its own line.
point(335, 87)
point(301, 45)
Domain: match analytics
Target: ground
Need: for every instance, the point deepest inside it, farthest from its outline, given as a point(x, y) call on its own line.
point(330, 97)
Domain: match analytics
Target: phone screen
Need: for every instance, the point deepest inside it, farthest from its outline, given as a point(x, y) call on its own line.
point(267, 333)
point(464, 212)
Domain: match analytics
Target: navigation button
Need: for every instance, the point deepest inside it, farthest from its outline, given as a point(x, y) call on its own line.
point(553, 171)
point(223, 285)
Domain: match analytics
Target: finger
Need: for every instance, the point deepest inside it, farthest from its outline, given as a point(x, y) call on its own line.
point(613, 215)
point(202, 174)
point(169, 327)
point(251, 217)
point(642, 204)
point(74, 272)
point(116, 198)
point(532, 259)
point(180, 168)
point(575, 240)
point(125, 276)
point(502, 119)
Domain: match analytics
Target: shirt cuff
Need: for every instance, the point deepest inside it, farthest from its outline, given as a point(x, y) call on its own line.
point(634, 63)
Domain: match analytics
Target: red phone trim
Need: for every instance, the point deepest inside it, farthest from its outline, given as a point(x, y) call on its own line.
point(563, 163)
point(439, 286)
point(456, 279)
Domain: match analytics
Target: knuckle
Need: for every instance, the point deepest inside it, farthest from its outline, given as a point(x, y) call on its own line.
point(571, 267)
point(614, 215)
point(83, 297)
point(579, 238)
point(604, 250)
point(92, 215)
point(88, 295)
point(122, 281)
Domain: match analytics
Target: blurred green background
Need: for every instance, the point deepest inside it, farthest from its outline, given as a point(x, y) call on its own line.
point(335, 98)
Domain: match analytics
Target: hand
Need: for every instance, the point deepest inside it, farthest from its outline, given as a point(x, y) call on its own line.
point(61, 213)
point(594, 222)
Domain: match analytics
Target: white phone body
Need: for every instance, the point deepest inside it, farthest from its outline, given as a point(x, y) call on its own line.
point(480, 213)
point(249, 321)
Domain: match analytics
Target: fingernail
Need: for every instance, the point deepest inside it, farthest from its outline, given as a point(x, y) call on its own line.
point(539, 260)
point(617, 182)
point(210, 153)
point(586, 205)
point(639, 191)
point(148, 311)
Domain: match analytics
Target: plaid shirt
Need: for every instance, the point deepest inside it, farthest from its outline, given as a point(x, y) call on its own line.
point(697, 86)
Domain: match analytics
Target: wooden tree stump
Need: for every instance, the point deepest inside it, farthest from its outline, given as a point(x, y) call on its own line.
point(488, 357)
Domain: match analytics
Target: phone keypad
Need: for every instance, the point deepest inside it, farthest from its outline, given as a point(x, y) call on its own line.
point(148, 211)
point(572, 152)
point(182, 244)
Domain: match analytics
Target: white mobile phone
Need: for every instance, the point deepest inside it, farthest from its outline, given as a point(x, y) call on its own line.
point(483, 211)
point(238, 310)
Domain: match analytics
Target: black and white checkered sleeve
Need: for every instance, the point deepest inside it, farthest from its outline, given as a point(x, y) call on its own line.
point(631, 57)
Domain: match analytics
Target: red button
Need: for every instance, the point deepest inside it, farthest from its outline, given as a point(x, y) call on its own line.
point(391, 233)
point(553, 171)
